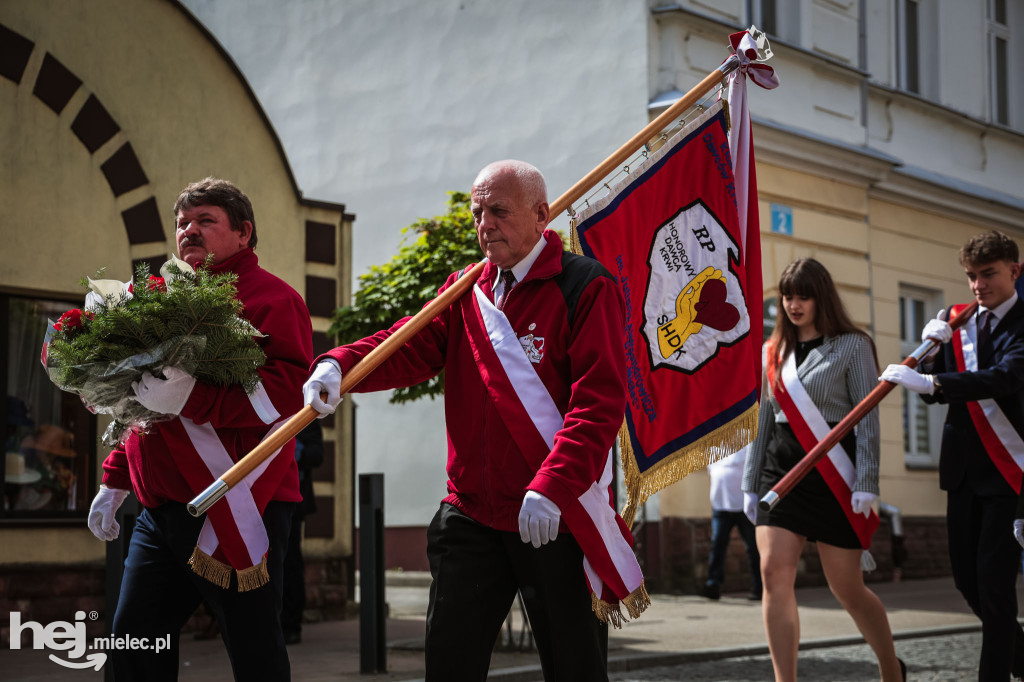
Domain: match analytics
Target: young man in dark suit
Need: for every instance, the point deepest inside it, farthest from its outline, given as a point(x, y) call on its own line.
point(979, 373)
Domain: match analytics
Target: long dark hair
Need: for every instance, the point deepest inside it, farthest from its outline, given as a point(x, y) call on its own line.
point(807, 277)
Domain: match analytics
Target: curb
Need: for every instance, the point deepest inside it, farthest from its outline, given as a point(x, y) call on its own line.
point(640, 661)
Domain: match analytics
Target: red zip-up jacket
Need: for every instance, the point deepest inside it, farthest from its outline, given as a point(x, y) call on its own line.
point(574, 309)
point(147, 463)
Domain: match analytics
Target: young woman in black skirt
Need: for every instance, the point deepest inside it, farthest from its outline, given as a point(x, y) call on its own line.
point(818, 366)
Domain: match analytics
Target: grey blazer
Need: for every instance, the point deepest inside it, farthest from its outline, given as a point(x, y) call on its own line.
point(837, 375)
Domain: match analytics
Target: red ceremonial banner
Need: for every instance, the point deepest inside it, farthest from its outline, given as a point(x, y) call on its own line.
point(671, 236)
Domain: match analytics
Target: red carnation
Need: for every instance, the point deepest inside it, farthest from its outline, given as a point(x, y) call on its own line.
point(72, 319)
point(157, 283)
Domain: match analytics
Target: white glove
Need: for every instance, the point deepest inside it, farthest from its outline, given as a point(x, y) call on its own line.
point(938, 329)
point(165, 396)
point(909, 378)
point(1018, 531)
point(326, 378)
point(750, 506)
point(861, 503)
point(101, 513)
point(538, 519)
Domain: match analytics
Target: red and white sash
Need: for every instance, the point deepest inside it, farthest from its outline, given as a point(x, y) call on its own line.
point(837, 468)
point(1002, 442)
point(233, 537)
point(533, 420)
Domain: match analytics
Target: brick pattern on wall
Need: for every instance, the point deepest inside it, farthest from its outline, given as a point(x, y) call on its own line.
point(677, 561)
point(45, 594)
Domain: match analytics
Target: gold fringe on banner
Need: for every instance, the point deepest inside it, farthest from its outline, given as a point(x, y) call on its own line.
point(253, 577)
point(205, 566)
point(716, 445)
point(219, 573)
point(636, 602)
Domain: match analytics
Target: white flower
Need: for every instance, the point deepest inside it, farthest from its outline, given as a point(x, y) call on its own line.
point(111, 291)
point(174, 262)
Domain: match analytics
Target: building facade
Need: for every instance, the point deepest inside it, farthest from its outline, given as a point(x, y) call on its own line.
point(107, 109)
point(895, 135)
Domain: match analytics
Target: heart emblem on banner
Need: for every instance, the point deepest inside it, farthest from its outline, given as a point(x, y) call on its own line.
point(714, 309)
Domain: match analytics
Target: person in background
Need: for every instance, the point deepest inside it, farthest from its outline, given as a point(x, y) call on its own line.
point(819, 365)
point(726, 514)
point(979, 372)
point(309, 454)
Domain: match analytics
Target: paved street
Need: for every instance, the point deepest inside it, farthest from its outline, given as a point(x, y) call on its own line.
point(681, 637)
point(949, 658)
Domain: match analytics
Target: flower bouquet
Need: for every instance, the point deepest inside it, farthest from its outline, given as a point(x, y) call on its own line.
point(185, 319)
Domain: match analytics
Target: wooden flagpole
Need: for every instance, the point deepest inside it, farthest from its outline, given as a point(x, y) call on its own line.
point(374, 358)
point(804, 466)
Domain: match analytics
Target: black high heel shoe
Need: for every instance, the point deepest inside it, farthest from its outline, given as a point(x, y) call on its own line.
point(903, 669)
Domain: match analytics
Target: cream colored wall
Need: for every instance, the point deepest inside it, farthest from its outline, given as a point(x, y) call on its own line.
point(180, 105)
point(62, 546)
point(187, 115)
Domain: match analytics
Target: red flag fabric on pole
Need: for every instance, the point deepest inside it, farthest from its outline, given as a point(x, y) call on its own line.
point(671, 234)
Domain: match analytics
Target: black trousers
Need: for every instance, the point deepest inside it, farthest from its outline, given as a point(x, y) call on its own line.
point(476, 572)
point(294, 602)
point(159, 592)
point(985, 559)
point(722, 523)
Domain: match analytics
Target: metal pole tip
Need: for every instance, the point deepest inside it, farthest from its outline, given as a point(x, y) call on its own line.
point(768, 502)
point(206, 499)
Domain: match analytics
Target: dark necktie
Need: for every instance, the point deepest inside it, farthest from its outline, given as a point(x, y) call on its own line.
point(984, 322)
point(508, 280)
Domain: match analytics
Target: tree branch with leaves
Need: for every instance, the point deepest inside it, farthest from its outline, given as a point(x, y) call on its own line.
point(403, 285)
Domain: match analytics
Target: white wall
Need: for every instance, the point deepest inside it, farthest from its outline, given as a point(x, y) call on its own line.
point(386, 105)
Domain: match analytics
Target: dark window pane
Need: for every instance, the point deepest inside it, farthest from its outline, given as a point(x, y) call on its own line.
point(49, 434)
point(922, 446)
point(999, 11)
point(904, 334)
point(769, 17)
point(906, 423)
point(910, 37)
point(919, 319)
point(1002, 100)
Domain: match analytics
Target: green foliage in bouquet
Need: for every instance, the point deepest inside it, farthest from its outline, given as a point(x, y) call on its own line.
point(172, 319)
point(190, 320)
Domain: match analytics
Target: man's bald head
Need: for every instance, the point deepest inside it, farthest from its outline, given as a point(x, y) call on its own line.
point(510, 210)
point(528, 177)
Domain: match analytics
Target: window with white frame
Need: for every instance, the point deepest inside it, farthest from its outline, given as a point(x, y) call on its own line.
point(998, 59)
point(922, 423)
